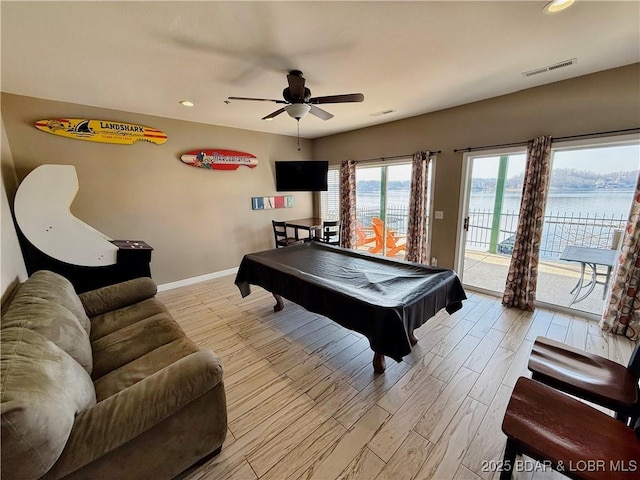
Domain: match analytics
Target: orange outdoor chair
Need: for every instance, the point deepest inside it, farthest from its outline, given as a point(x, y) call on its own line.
point(393, 247)
point(363, 238)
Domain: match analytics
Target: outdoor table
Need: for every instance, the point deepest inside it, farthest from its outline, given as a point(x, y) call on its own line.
point(593, 257)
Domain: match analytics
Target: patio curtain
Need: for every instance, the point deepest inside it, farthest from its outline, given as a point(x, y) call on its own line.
point(348, 203)
point(417, 240)
point(520, 288)
point(622, 311)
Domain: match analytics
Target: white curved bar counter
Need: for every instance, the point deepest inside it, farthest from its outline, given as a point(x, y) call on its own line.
point(42, 209)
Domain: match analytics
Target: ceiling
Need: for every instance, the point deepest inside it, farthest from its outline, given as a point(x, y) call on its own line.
point(409, 57)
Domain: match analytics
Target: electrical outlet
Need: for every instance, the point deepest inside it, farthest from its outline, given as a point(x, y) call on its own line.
point(439, 214)
point(434, 262)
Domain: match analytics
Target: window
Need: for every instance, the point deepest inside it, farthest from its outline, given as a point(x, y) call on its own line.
point(330, 200)
point(382, 191)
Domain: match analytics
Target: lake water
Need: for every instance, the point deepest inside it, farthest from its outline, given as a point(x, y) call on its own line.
point(606, 202)
point(609, 202)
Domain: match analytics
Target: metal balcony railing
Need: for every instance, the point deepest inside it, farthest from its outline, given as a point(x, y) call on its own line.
point(560, 229)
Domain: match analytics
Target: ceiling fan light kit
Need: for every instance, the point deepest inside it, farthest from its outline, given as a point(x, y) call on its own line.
point(297, 110)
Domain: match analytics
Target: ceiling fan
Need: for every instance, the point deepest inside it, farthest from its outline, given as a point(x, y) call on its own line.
point(299, 102)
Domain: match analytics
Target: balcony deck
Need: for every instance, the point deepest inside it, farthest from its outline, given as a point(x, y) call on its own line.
point(488, 271)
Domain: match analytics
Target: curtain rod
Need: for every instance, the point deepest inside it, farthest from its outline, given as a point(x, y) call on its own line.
point(570, 137)
point(410, 155)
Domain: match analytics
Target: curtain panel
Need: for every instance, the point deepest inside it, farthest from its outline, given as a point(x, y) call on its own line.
point(417, 239)
point(348, 203)
point(622, 311)
point(522, 279)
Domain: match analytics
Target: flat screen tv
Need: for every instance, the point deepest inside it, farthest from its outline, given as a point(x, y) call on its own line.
point(302, 176)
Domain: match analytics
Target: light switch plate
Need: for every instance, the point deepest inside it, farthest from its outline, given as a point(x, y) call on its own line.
point(439, 214)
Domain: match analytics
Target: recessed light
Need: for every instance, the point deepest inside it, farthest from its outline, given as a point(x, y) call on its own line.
point(383, 112)
point(187, 103)
point(556, 6)
point(268, 119)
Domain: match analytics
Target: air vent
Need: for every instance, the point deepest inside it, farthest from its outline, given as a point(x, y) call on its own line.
point(550, 68)
point(383, 112)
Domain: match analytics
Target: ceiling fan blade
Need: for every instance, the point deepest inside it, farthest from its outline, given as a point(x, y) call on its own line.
point(320, 113)
point(273, 114)
point(350, 97)
point(296, 84)
point(257, 99)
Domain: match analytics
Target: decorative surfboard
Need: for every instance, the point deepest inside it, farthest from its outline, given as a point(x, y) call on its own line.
point(219, 159)
point(101, 131)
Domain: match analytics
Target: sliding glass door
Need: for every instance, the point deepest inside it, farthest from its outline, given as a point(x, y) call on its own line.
point(590, 192)
point(493, 193)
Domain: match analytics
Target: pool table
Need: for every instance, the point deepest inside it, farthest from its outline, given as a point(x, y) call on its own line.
point(383, 299)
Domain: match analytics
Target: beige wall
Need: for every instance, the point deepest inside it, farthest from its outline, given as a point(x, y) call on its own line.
point(11, 263)
point(198, 221)
point(201, 221)
point(604, 101)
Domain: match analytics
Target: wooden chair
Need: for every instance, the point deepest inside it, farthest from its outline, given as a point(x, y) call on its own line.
point(568, 435)
point(363, 238)
point(393, 247)
point(330, 232)
point(280, 235)
point(588, 376)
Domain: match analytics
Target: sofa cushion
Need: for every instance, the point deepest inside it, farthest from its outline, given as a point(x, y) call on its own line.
point(54, 322)
point(118, 295)
point(125, 345)
point(51, 286)
point(42, 390)
point(143, 367)
point(109, 322)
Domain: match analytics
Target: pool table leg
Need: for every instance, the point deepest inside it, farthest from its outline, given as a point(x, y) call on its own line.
point(279, 302)
point(379, 363)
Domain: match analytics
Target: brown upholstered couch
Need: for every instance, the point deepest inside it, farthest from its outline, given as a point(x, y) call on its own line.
point(103, 385)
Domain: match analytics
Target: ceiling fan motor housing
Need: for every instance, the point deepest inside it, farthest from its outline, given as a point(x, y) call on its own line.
point(286, 93)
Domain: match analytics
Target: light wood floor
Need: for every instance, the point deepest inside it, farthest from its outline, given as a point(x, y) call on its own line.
point(304, 403)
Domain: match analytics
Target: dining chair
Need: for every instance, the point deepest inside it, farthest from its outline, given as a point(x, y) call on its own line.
point(589, 376)
point(567, 435)
point(392, 239)
point(330, 232)
point(280, 235)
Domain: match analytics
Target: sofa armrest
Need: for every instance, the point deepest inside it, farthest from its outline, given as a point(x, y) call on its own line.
point(120, 418)
point(119, 295)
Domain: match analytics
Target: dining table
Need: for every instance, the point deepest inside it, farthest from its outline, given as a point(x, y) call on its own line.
point(312, 225)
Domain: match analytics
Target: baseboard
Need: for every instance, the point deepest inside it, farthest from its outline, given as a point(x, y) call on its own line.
point(190, 281)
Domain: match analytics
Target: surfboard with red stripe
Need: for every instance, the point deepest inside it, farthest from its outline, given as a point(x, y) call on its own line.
point(215, 159)
point(104, 131)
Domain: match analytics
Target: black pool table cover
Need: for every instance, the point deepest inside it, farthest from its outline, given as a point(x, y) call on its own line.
point(381, 298)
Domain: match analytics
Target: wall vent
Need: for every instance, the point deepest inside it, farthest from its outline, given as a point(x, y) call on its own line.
point(550, 68)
